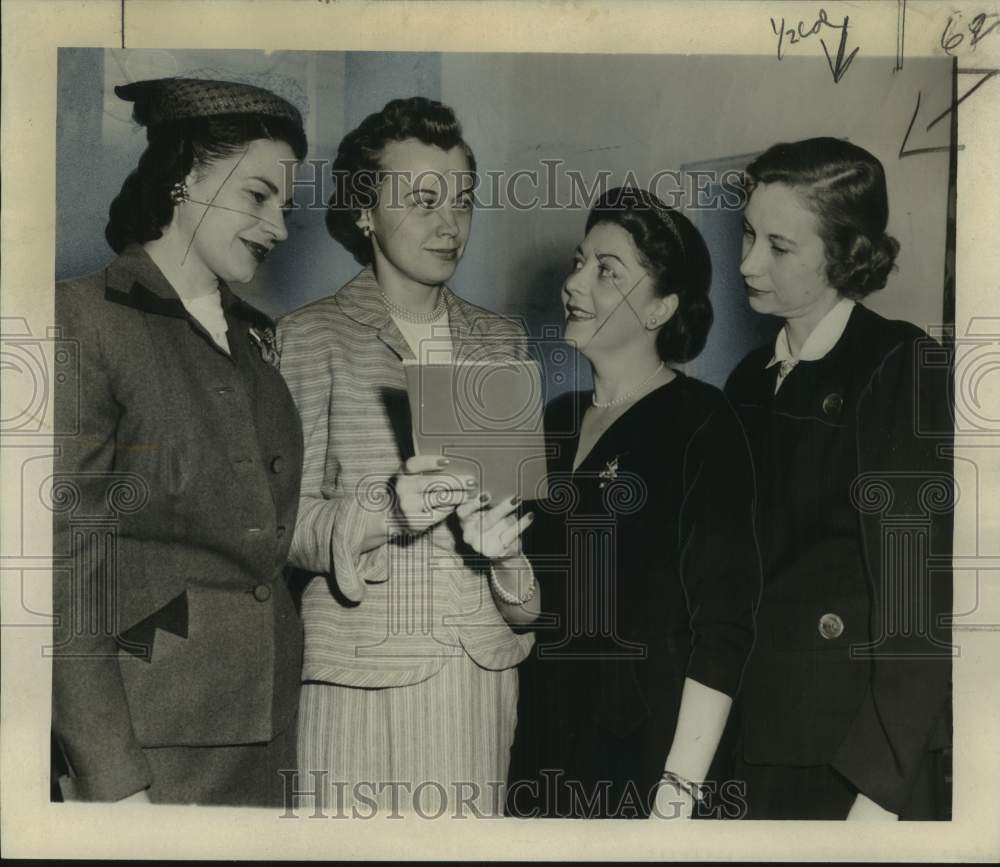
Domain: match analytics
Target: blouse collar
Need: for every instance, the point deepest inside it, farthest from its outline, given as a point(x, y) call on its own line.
point(820, 340)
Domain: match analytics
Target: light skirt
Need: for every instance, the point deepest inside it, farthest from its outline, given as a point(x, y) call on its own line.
point(437, 748)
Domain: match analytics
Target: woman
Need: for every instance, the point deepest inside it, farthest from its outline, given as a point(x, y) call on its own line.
point(845, 706)
point(644, 552)
point(178, 646)
point(409, 688)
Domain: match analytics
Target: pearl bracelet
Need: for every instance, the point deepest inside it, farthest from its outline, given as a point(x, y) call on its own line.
point(684, 784)
point(506, 595)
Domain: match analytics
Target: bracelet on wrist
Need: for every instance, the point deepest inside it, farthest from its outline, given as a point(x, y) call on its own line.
point(508, 597)
point(694, 790)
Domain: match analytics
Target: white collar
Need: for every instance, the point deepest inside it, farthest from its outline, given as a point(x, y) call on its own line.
point(820, 340)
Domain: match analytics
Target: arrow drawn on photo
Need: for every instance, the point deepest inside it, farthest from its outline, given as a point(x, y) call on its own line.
point(839, 68)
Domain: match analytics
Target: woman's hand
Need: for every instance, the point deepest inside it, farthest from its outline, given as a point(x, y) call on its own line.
point(426, 493)
point(866, 810)
point(496, 533)
point(671, 802)
point(493, 532)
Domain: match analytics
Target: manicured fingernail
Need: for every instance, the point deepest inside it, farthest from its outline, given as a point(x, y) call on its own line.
point(530, 518)
point(515, 500)
point(484, 498)
point(443, 462)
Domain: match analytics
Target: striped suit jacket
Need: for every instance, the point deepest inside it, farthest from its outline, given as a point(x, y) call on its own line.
point(391, 616)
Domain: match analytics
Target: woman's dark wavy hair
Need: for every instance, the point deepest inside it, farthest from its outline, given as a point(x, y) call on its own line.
point(357, 165)
point(143, 207)
point(674, 253)
point(845, 187)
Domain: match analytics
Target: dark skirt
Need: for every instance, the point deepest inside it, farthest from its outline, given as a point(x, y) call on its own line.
point(574, 755)
point(610, 783)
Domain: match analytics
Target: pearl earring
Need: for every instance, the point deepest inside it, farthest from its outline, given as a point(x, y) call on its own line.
point(367, 230)
point(651, 323)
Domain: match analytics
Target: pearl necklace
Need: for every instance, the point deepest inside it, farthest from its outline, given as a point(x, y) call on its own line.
point(401, 312)
point(628, 394)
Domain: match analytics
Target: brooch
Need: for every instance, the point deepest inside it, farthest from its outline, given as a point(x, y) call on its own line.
point(610, 472)
point(263, 339)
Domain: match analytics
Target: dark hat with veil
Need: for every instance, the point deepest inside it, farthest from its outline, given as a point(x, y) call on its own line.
point(164, 100)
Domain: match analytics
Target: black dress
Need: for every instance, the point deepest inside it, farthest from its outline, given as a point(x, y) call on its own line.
point(648, 571)
point(847, 689)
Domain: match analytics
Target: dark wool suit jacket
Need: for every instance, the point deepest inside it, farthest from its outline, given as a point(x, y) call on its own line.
point(852, 666)
point(177, 480)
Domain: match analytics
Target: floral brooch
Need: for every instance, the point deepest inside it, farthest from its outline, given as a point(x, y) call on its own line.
point(263, 339)
point(609, 473)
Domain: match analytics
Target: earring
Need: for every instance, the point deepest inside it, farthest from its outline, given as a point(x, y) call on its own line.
point(179, 193)
point(651, 323)
point(367, 230)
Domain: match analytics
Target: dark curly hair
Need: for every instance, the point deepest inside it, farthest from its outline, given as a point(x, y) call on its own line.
point(674, 253)
point(845, 186)
point(357, 165)
point(143, 207)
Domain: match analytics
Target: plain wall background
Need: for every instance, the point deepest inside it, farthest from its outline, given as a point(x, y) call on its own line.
point(622, 114)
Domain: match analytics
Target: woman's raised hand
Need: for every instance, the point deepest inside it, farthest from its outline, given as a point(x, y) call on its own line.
point(671, 802)
point(496, 531)
point(426, 493)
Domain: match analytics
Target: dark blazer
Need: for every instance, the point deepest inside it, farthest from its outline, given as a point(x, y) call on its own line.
point(852, 665)
point(177, 479)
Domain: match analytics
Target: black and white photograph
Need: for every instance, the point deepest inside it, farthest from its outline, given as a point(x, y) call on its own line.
point(422, 433)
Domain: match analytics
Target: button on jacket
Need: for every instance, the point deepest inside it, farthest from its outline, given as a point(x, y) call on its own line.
point(178, 468)
point(852, 666)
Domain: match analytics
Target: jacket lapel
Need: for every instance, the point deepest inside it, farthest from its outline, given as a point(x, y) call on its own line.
point(460, 325)
point(833, 391)
point(134, 280)
point(359, 299)
point(753, 384)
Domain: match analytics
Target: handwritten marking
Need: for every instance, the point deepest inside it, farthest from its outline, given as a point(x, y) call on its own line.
point(987, 74)
point(800, 32)
point(900, 34)
point(211, 203)
point(976, 30)
point(840, 67)
point(964, 96)
point(903, 152)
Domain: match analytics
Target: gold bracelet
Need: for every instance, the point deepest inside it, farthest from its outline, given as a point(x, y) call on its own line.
point(684, 784)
